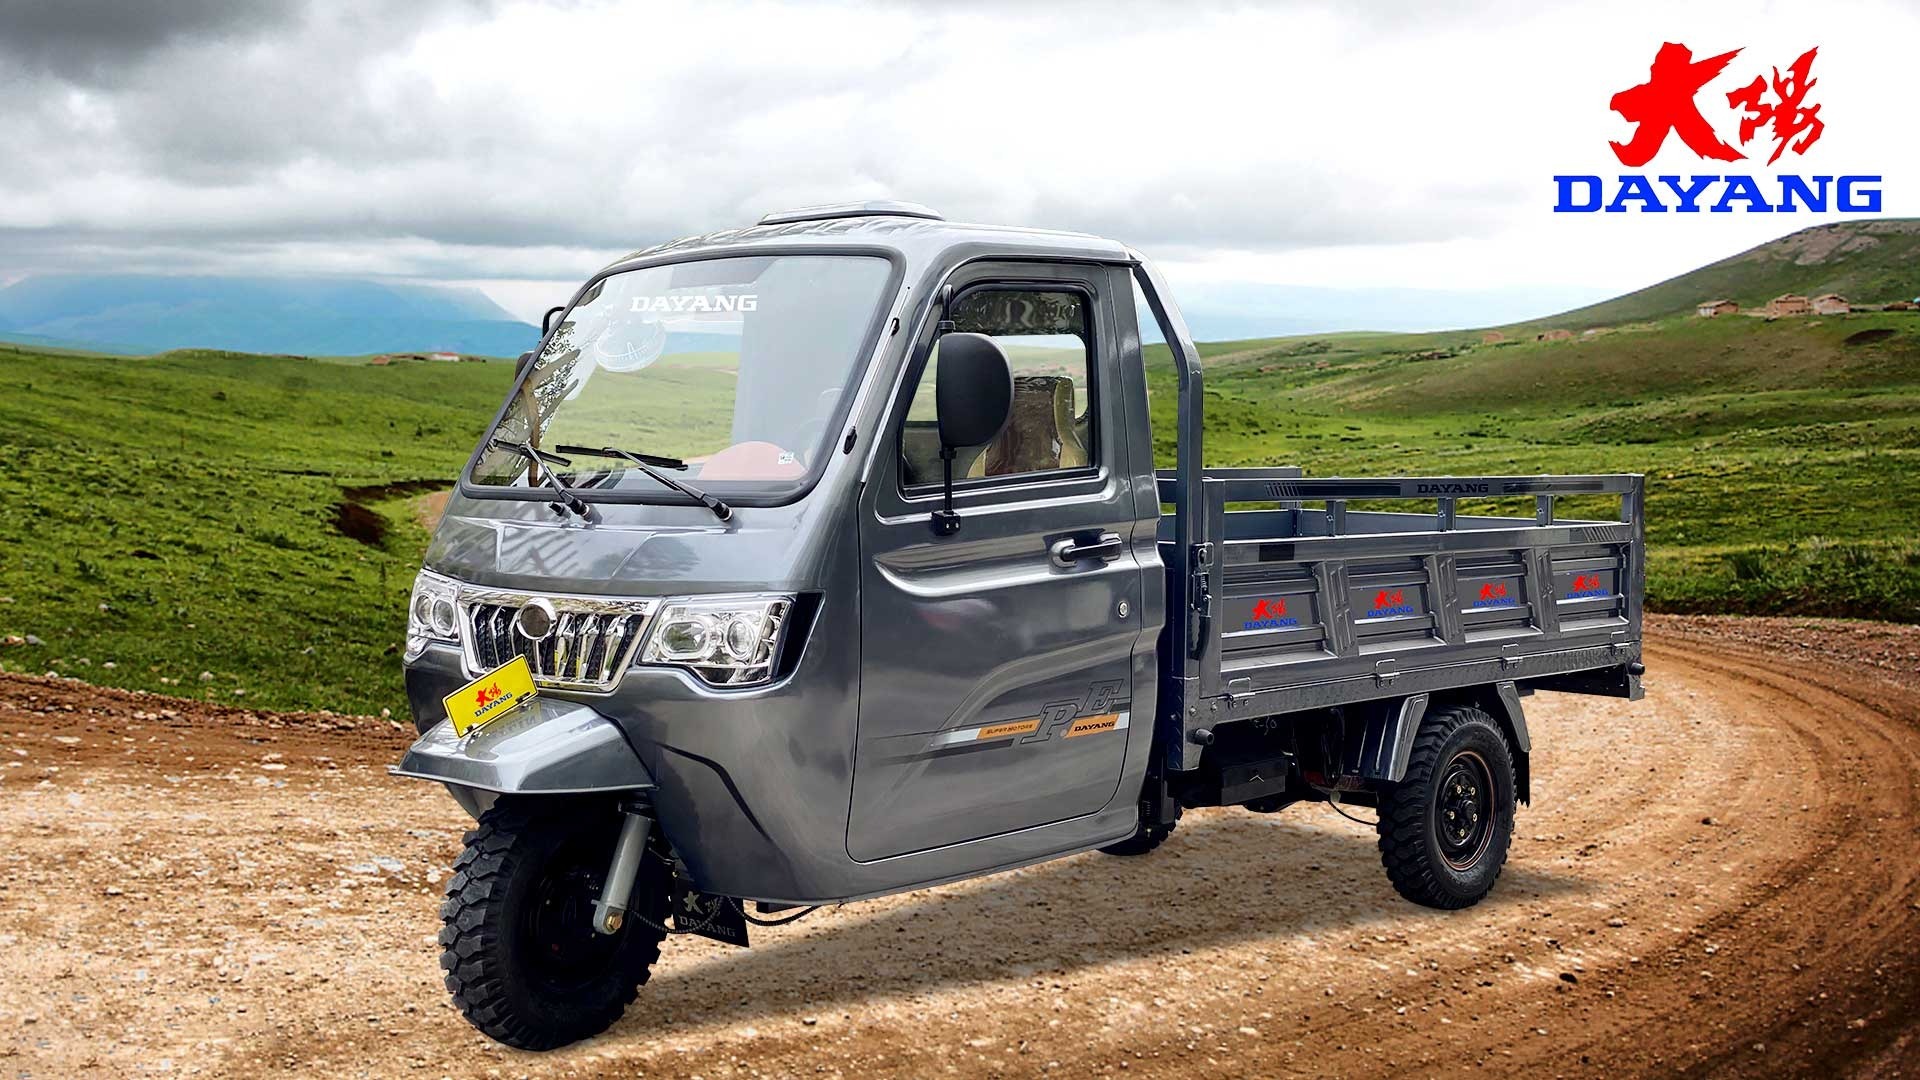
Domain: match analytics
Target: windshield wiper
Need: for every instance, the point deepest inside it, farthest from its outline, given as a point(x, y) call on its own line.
point(645, 463)
point(537, 457)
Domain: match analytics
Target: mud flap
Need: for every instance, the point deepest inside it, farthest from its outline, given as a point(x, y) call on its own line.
point(716, 917)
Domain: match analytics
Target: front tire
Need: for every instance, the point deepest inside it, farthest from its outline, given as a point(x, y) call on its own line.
point(1445, 829)
point(523, 961)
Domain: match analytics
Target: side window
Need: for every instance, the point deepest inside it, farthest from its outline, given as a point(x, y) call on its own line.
point(1045, 334)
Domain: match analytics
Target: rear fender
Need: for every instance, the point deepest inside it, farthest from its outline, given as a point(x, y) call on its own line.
point(1387, 743)
point(548, 747)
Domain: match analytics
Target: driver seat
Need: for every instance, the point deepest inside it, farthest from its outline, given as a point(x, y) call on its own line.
point(1040, 436)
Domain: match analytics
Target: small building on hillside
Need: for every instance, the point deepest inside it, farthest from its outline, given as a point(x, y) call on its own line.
point(1554, 335)
point(1712, 308)
point(1831, 304)
point(444, 357)
point(1492, 337)
point(1902, 305)
point(381, 361)
point(1789, 304)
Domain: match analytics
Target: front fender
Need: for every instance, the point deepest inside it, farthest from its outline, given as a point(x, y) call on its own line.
point(548, 747)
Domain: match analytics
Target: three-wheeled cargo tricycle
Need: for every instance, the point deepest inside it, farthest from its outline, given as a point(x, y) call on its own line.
point(827, 558)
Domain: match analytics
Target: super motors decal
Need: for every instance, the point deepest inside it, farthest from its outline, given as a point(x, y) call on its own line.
point(1099, 710)
point(1772, 114)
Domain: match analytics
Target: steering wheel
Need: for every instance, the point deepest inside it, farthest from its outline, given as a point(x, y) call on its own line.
point(814, 429)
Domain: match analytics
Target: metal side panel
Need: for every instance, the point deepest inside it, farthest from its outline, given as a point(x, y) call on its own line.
point(1446, 670)
point(549, 747)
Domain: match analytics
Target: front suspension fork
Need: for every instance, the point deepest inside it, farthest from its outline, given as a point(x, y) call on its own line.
point(610, 910)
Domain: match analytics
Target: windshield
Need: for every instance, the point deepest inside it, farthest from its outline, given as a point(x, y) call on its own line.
point(736, 367)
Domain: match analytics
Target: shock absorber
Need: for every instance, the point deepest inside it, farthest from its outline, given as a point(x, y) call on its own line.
point(610, 911)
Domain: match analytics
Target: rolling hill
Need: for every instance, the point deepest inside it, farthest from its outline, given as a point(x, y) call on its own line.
point(244, 528)
point(1867, 261)
point(138, 313)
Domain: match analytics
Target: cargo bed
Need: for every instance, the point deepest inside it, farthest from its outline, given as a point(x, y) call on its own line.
point(1295, 600)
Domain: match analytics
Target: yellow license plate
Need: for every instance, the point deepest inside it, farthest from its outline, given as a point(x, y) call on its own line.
point(490, 696)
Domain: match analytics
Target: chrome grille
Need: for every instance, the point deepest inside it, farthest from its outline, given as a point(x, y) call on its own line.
point(592, 642)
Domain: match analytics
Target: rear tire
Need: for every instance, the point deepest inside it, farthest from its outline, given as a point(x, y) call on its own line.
point(523, 961)
point(1148, 836)
point(1445, 829)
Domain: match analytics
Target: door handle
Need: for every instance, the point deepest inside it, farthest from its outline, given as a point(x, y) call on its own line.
point(1069, 551)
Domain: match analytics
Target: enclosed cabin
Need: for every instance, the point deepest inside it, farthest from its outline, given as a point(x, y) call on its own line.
point(858, 665)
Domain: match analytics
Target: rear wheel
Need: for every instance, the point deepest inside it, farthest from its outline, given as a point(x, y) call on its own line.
point(1445, 829)
point(523, 961)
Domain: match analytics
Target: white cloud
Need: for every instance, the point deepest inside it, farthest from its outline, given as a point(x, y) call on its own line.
point(1305, 144)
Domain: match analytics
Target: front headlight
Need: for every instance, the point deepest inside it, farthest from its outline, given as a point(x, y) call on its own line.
point(725, 640)
point(431, 614)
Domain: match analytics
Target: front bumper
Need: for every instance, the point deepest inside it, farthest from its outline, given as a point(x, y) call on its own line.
point(547, 747)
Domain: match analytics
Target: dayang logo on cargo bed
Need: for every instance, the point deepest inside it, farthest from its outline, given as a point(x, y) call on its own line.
point(1388, 603)
point(1493, 594)
point(1585, 585)
point(1774, 109)
point(1269, 615)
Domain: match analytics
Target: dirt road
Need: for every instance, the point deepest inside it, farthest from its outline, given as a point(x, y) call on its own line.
point(1719, 880)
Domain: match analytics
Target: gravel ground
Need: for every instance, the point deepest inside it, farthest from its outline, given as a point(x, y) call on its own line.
point(1718, 880)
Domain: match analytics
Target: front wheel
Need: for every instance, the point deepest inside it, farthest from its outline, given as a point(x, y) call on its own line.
point(523, 961)
point(1445, 829)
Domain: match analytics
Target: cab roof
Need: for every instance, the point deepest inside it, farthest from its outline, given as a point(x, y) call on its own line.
point(916, 233)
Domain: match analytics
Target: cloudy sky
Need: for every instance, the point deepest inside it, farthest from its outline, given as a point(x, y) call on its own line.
point(1388, 145)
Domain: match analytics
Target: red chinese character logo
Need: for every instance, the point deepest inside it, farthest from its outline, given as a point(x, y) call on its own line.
point(1665, 103)
point(1788, 118)
point(486, 695)
point(1269, 609)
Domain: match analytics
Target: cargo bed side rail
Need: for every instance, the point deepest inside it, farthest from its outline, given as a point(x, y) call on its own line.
point(1296, 606)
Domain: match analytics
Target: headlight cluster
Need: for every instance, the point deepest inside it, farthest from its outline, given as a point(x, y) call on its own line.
point(725, 640)
point(431, 613)
point(732, 641)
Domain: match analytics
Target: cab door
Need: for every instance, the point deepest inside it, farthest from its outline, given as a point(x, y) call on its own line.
point(1000, 663)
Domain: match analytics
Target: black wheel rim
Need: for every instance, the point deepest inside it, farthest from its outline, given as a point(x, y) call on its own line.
point(558, 942)
point(1463, 810)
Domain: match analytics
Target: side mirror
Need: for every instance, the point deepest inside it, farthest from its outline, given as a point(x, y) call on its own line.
point(520, 365)
point(546, 321)
point(973, 396)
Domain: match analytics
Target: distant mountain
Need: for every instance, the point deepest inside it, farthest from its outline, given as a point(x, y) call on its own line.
point(137, 313)
point(1864, 261)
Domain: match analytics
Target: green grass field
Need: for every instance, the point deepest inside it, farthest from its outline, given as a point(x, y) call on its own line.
point(178, 517)
point(1778, 456)
point(174, 518)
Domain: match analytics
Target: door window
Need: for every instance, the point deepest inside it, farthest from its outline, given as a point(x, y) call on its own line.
point(1045, 333)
